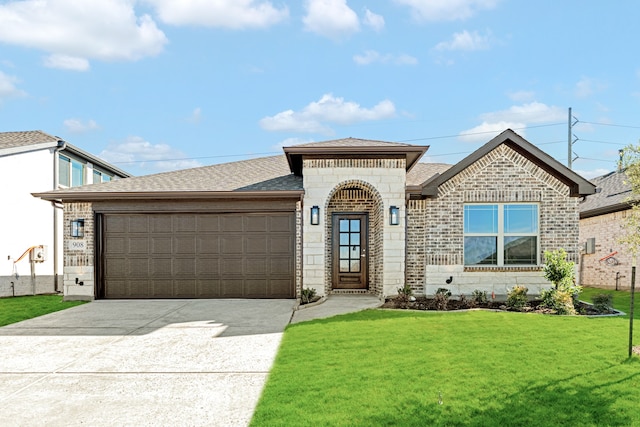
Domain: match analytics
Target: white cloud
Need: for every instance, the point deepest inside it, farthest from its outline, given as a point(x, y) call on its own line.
point(522, 96)
point(587, 87)
point(74, 32)
point(373, 20)
point(138, 152)
point(78, 126)
point(589, 174)
point(196, 116)
point(372, 56)
point(333, 19)
point(8, 87)
point(466, 41)
point(516, 117)
point(233, 14)
point(446, 10)
point(66, 62)
point(329, 109)
point(486, 131)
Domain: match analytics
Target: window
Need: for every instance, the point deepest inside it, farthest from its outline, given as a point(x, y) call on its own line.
point(71, 172)
point(501, 234)
point(100, 177)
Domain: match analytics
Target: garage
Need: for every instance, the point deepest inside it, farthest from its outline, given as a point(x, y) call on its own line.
point(196, 255)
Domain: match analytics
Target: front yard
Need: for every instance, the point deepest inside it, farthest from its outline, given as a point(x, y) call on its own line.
point(17, 309)
point(476, 368)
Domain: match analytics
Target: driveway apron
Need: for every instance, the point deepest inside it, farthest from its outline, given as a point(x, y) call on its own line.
point(140, 363)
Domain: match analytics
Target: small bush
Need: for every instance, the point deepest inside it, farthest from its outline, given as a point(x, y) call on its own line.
point(560, 300)
point(441, 298)
point(307, 295)
point(478, 296)
point(464, 302)
point(517, 297)
point(602, 303)
point(404, 296)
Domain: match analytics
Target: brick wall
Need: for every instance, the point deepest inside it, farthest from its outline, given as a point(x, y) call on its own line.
point(78, 270)
point(435, 226)
point(606, 229)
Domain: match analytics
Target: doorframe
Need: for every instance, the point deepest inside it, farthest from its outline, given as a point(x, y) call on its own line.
point(364, 249)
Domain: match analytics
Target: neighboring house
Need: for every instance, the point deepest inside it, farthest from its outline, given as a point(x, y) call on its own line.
point(343, 216)
point(606, 263)
point(35, 161)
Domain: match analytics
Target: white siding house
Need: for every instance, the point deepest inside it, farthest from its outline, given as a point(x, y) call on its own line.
point(30, 228)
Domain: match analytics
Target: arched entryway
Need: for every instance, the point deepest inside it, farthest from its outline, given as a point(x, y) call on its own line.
point(354, 223)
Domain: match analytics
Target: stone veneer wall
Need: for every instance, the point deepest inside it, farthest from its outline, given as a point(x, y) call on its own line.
point(606, 229)
point(298, 267)
point(356, 196)
point(385, 179)
point(78, 263)
point(435, 238)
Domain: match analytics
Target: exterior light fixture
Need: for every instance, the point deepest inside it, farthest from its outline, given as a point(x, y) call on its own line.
point(315, 215)
point(77, 228)
point(394, 215)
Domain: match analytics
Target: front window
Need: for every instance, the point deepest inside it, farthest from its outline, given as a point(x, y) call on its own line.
point(501, 234)
point(99, 176)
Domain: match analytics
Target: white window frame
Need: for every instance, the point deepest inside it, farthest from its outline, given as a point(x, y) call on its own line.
point(501, 234)
point(69, 168)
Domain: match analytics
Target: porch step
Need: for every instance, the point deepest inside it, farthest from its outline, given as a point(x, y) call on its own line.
point(351, 292)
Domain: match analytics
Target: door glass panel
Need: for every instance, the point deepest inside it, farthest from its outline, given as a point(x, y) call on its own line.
point(355, 266)
point(344, 266)
point(355, 252)
point(344, 252)
point(355, 225)
point(355, 238)
point(344, 225)
point(344, 238)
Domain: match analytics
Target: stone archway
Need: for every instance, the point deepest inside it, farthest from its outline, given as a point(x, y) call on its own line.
point(356, 196)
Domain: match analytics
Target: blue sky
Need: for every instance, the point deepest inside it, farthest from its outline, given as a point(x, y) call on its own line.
point(155, 85)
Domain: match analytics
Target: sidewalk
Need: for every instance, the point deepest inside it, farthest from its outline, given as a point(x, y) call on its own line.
point(335, 304)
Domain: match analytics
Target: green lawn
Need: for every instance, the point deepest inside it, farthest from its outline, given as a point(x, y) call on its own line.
point(389, 368)
point(16, 309)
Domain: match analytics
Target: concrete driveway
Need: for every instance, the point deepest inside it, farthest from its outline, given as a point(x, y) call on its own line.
point(140, 363)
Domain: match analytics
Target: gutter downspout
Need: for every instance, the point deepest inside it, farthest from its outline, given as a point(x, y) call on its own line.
point(56, 206)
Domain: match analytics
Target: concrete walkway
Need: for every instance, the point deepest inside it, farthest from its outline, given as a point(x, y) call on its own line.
point(141, 363)
point(336, 304)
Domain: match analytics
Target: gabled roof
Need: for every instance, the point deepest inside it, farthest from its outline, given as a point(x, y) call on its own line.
point(33, 140)
point(261, 177)
point(348, 147)
point(613, 195)
point(578, 185)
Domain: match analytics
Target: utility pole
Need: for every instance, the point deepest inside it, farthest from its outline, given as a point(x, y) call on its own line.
point(571, 122)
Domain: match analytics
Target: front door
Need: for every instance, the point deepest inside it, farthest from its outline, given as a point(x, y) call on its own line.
point(350, 251)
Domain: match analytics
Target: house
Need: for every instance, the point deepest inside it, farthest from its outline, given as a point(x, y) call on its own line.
point(606, 263)
point(342, 216)
point(31, 230)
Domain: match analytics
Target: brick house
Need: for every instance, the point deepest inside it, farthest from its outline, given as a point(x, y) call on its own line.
point(605, 262)
point(342, 216)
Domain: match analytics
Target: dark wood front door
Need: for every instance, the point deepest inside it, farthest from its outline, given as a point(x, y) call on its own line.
point(350, 248)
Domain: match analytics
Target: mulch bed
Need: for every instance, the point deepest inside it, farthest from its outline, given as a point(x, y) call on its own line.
point(424, 303)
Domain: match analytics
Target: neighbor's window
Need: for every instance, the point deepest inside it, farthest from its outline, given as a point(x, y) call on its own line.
point(99, 176)
point(71, 172)
point(501, 234)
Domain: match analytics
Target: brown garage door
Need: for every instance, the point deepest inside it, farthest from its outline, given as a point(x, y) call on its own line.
point(243, 255)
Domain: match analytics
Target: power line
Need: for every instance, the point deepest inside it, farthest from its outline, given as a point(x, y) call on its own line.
point(604, 142)
point(611, 124)
point(196, 158)
point(476, 133)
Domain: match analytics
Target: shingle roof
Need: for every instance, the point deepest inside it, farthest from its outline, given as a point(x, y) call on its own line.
point(254, 175)
point(421, 172)
point(353, 142)
point(25, 138)
point(612, 196)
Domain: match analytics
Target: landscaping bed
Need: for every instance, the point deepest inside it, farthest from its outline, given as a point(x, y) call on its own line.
point(533, 306)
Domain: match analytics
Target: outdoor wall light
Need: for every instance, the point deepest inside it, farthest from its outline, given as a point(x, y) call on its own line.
point(394, 215)
point(77, 228)
point(315, 215)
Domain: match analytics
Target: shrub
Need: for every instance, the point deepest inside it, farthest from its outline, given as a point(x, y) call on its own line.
point(464, 302)
point(404, 296)
point(557, 269)
point(307, 295)
point(559, 300)
point(517, 297)
point(478, 296)
point(441, 298)
point(602, 303)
